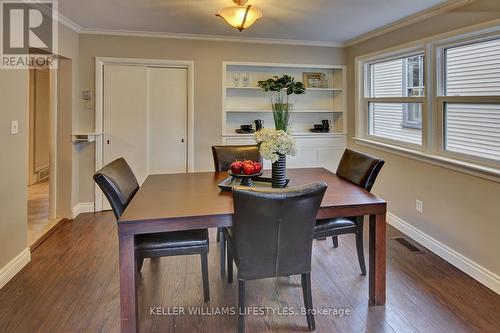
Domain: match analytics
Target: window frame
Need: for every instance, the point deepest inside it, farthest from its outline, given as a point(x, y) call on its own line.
point(442, 99)
point(366, 100)
point(433, 102)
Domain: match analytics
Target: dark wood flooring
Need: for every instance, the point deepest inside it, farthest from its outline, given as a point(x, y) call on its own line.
point(71, 285)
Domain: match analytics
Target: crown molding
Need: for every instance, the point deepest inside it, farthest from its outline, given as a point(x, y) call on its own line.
point(213, 38)
point(68, 23)
point(409, 20)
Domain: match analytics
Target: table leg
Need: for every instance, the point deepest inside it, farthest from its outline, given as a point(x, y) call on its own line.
point(128, 286)
point(377, 270)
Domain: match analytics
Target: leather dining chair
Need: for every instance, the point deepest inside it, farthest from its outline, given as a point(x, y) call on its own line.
point(119, 185)
point(223, 157)
point(271, 236)
point(362, 170)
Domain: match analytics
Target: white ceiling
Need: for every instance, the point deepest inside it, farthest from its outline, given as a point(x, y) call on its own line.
point(309, 20)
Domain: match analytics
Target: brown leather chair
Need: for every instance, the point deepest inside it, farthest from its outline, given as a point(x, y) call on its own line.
point(119, 185)
point(271, 236)
point(362, 170)
point(223, 157)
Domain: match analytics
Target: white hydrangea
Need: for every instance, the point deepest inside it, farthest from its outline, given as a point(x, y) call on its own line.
point(273, 142)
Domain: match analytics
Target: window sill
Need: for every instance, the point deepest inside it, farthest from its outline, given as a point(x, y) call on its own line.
point(480, 171)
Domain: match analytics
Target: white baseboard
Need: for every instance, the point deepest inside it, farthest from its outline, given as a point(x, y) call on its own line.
point(14, 266)
point(83, 207)
point(471, 268)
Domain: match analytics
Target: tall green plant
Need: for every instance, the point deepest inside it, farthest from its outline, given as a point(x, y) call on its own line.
point(281, 88)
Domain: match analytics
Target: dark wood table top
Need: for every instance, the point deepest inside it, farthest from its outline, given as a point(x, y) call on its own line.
point(195, 195)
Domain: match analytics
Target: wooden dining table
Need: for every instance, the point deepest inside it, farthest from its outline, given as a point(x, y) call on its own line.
point(186, 201)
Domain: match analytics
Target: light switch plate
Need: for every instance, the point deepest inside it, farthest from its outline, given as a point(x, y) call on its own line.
point(14, 127)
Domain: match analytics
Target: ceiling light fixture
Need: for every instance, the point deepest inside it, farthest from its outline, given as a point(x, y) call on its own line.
point(240, 16)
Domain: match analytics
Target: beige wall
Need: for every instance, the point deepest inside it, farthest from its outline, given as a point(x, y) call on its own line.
point(14, 87)
point(69, 48)
point(208, 58)
point(461, 211)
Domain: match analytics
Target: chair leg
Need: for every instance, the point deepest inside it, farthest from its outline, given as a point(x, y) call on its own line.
point(219, 230)
point(241, 306)
point(204, 273)
point(140, 261)
point(306, 290)
point(335, 240)
point(229, 267)
point(222, 254)
point(361, 254)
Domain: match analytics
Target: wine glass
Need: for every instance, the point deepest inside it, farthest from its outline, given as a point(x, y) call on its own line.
point(246, 79)
point(236, 79)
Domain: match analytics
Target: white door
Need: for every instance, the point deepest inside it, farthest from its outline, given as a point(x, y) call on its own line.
point(167, 120)
point(145, 119)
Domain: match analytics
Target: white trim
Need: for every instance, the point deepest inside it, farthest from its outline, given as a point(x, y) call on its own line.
point(409, 20)
point(53, 128)
point(466, 265)
point(476, 170)
point(212, 38)
point(99, 112)
point(68, 23)
point(13, 267)
point(82, 207)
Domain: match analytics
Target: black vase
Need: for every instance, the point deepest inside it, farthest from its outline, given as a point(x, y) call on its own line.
point(279, 172)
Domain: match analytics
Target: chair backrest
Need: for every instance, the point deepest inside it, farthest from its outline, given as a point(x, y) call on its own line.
point(359, 168)
point(273, 228)
point(118, 183)
point(225, 155)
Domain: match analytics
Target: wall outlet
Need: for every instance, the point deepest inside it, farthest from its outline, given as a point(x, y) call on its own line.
point(419, 206)
point(14, 127)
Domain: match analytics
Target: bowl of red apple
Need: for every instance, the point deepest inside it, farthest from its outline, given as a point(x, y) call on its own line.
point(245, 171)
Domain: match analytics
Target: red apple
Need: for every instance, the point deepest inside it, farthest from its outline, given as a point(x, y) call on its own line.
point(236, 167)
point(248, 169)
point(257, 166)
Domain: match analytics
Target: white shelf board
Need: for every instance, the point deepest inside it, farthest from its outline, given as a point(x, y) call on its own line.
point(294, 110)
point(308, 134)
point(84, 137)
point(307, 89)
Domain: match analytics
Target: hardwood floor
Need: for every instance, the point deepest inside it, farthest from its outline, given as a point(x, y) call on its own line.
point(71, 285)
point(38, 212)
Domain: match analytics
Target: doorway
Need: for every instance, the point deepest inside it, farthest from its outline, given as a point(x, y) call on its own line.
point(49, 150)
point(144, 112)
point(40, 218)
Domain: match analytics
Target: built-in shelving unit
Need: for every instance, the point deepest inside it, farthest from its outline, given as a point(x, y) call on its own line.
point(245, 102)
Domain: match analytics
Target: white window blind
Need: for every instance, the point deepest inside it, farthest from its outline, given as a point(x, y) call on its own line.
point(473, 69)
point(473, 129)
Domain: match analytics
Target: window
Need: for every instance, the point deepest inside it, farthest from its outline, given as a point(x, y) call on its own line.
point(438, 101)
point(395, 97)
point(470, 108)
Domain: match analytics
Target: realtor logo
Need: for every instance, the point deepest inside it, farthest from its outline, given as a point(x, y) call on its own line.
point(28, 34)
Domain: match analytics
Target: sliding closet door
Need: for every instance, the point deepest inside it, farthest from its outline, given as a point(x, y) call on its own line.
point(145, 119)
point(125, 121)
point(167, 120)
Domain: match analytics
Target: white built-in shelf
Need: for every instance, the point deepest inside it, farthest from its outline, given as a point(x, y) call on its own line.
point(298, 134)
point(85, 137)
point(307, 89)
point(294, 110)
point(242, 105)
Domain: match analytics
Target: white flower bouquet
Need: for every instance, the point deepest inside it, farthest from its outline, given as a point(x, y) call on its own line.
point(273, 143)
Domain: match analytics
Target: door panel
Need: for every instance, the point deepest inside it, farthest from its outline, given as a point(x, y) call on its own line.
point(167, 120)
point(125, 123)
